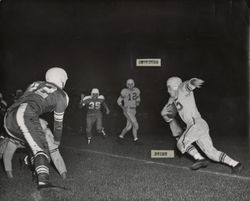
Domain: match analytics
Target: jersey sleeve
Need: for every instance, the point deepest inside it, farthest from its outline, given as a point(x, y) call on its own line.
point(84, 101)
point(62, 103)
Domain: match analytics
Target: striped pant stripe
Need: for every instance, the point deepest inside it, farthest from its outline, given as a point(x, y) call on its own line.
point(27, 135)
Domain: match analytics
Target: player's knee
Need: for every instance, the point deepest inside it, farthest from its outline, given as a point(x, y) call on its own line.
point(135, 125)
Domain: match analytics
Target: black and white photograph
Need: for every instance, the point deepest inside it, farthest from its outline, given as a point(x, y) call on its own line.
point(124, 100)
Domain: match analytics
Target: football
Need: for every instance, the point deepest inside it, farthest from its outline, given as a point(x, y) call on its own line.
point(171, 111)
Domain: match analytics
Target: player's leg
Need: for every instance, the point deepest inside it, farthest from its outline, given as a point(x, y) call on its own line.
point(32, 131)
point(127, 127)
point(7, 157)
point(185, 143)
point(206, 145)
point(135, 125)
point(177, 132)
point(89, 124)
point(55, 154)
point(99, 124)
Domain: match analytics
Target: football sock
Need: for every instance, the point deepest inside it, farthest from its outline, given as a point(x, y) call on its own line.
point(192, 151)
point(227, 160)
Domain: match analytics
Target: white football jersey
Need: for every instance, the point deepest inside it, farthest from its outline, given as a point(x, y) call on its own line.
point(185, 103)
point(131, 97)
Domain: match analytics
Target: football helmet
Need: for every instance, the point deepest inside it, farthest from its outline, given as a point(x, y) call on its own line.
point(174, 82)
point(95, 93)
point(130, 83)
point(57, 76)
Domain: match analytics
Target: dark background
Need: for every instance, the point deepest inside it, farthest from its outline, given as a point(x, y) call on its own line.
point(97, 42)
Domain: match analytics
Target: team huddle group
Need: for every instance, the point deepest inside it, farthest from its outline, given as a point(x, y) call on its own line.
point(25, 128)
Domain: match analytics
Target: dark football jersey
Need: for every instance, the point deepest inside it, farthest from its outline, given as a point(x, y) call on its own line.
point(44, 97)
point(93, 104)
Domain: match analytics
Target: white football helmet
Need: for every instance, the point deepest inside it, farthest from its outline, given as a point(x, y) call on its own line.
point(95, 92)
point(57, 75)
point(130, 83)
point(174, 82)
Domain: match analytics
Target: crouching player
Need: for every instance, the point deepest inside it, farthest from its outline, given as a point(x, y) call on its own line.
point(22, 119)
point(197, 129)
point(11, 145)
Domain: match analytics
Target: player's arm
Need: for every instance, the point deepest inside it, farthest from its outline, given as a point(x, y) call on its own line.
point(104, 104)
point(193, 83)
point(58, 118)
point(138, 98)
point(121, 98)
point(81, 101)
point(84, 100)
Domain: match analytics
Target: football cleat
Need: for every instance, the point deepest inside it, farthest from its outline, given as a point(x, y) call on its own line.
point(203, 163)
point(137, 142)
point(89, 140)
point(120, 140)
point(49, 186)
point(64, 175)
point(236, 169)
point(103, 133)
point(9, 174)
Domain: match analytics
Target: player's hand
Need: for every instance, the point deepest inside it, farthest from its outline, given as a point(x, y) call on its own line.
point(107, 112)
point(57, 143)
point(197, 82)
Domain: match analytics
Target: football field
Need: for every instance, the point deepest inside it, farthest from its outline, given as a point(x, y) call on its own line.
point(107, 170)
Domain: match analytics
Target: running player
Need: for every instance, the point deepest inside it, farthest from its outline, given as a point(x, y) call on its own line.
point(128, 100)
point(94, 113)
point(197, 129)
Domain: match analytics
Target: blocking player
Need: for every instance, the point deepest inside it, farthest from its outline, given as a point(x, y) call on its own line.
point(22, 119)
point(169, 113)
point(93, 104)
point(13, 144)
point(128, 100)
point(197, 129)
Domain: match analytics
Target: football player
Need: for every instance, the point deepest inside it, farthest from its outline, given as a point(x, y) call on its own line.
point(22, 119)
point(169, 113)
point(197, 129)
point(13, 144)
point(128, 100)
point(93, 104)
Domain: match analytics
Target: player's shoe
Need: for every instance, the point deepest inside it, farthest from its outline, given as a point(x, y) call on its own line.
point(89, 140)
point(203, 163)
point(64, 175)
point(9, 174)
point(120, 140)
point(137, 142)
point(236, 169)
point(49, 186)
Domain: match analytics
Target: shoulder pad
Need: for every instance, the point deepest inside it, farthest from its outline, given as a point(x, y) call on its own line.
point(101, 97)
point(86, 98)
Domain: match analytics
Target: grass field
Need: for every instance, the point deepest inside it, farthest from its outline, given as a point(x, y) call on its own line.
point(106, 170)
